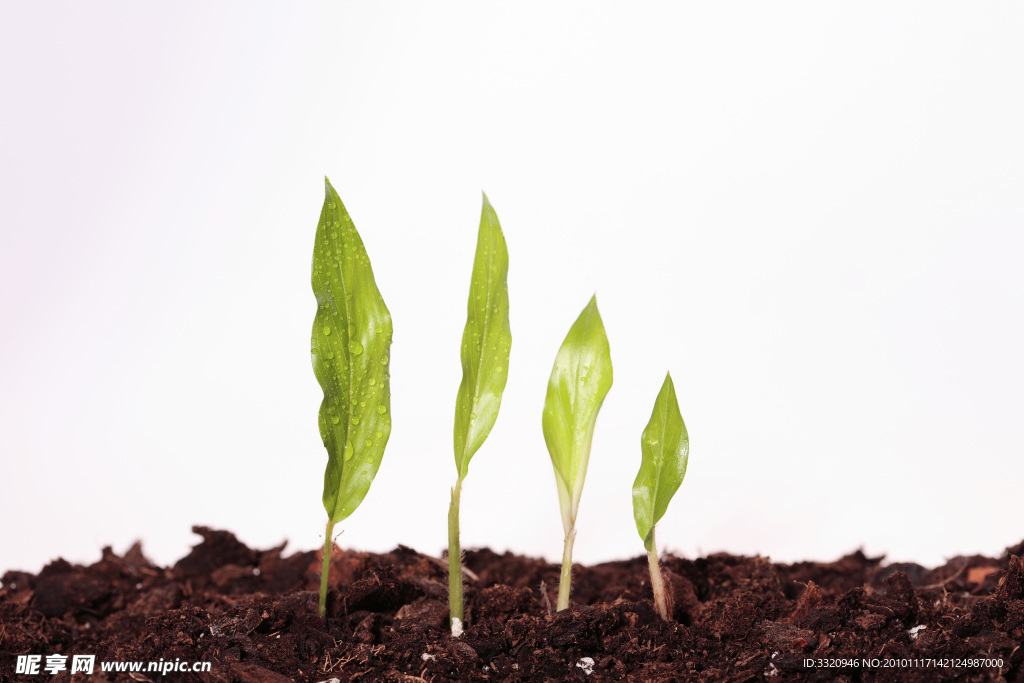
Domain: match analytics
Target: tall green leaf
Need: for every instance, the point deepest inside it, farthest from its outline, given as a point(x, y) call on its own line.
point(486, 342)
point(351, 354)
point(665, 447)
point(580, 380)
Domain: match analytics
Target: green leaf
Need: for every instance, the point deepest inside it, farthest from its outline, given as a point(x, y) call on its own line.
point(580, 380)
point(665, 447)
point(351, 354)
point(486, 342)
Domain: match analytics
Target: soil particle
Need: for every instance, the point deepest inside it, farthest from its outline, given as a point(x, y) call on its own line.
point(252, 615)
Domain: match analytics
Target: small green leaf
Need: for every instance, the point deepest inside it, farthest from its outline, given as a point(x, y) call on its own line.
point(665, 447)
point(351, 355)
point(580, 380)
point(486, 342)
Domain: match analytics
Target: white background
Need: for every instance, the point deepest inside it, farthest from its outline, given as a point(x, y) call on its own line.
point(810, 213)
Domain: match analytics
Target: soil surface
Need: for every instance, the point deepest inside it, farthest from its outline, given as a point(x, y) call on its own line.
point(251, 614)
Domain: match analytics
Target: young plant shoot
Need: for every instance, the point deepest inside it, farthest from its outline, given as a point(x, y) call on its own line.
point(665, 447)
point(486, 342)
point(351, 343)
point(579, 382)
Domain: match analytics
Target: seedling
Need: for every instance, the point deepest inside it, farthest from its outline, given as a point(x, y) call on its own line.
point(486, 342)
point(350, 346)
point(664, 447)
point(580, 380)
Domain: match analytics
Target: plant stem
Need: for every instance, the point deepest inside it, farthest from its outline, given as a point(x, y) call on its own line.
point(454, 559)
point(328, 544)
point(565, 581)
point(657, 583)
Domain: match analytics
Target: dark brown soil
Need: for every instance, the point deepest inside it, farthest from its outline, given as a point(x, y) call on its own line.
point(252, 615)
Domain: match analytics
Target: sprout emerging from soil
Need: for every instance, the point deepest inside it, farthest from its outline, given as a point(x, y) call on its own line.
point(665, 448)
point(580, 380)
point(486, 343)
point(351, 355)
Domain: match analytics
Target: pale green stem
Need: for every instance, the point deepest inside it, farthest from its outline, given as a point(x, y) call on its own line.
point(325, 571)
point(454, 557)
point(657, 583)
point(565, 581)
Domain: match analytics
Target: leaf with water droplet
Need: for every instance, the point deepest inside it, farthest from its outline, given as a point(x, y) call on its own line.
point(350, 311)
point(573, 401)
point(665, 450)
point(485, 342)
